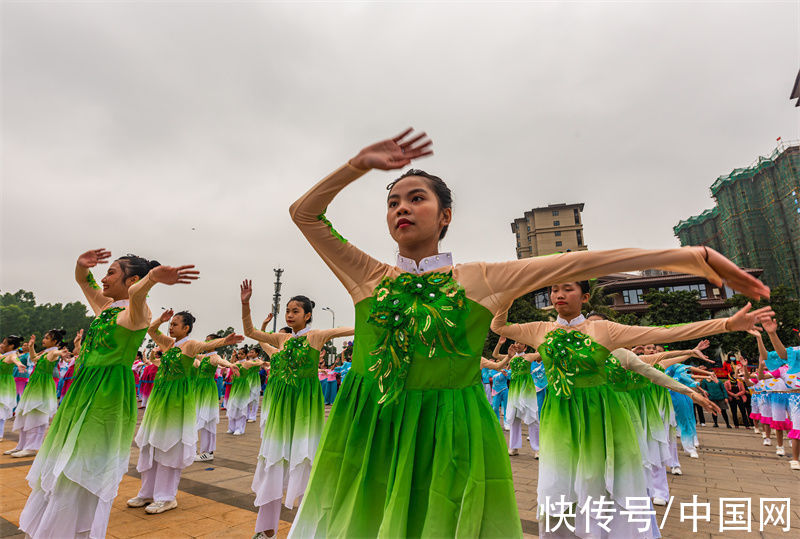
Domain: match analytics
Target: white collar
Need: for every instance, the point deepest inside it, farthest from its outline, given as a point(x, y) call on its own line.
point(429, 263)
point(51, 349)
point(9, 353)
point(119, 303)
point(301, 332)
point(180, 342)
point(578, 320)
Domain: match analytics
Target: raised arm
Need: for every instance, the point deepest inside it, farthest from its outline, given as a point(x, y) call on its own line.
point(165, 342)
point(356, 270)
point(507, 281)
point(496, 352)
point(517, 332)
point(494, 365)
point(620, 335)
point(273, 339)
point(771, 327)
point(85, 279)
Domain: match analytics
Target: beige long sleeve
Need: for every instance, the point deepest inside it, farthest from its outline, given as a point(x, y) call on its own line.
point(273, 339)
point(631, 361)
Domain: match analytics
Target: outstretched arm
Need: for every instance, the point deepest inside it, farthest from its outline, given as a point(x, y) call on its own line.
point(771, 327)
point(197, 347)
point(496, 352)
point(273, 339)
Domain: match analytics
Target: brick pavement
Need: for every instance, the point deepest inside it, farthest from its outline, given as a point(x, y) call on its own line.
point(215, 499)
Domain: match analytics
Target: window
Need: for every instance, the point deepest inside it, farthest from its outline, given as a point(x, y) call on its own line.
point(542, 299)
point(632, 297)
point(556, 223)
point(555, 213)
point(558, 233)
point(558, 244)
point(529, 228)
point(580, 237)
point(699, 288)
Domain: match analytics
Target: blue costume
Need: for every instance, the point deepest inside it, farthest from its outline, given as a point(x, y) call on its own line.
point(684, 409)
point(500, 393)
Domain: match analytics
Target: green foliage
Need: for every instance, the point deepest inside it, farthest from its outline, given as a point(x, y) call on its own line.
point(599, 302)
point(678, 307)
point(20, 315)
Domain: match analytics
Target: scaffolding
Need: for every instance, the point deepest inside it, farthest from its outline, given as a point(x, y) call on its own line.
point(756, 220)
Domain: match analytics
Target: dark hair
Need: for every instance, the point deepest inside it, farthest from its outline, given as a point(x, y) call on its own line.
point(14, 340)
point(58, 336)
point(139, 354)
point(437, 185)
point(133, 265)
point(213, 336)
point(188, 319)
point(285, 329)
point(307, 304)
point(595, 313)
point(585, 287)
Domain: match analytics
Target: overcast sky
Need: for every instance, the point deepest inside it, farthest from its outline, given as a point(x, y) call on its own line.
point(183, 131)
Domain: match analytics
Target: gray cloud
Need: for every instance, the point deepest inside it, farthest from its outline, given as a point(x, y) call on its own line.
point(183, 131)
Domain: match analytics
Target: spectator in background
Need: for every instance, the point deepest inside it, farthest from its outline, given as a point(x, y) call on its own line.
point(737, 396)
point(718, 395)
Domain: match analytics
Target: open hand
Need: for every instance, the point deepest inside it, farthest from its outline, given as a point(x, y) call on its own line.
point(734, 276)
point(770, 325)
point(166, 316)
point(233, 338)
point(246, 290)
point(267, 320)
point(393, 153)
point(745, 319)
point(90, 259)
point(174, 274)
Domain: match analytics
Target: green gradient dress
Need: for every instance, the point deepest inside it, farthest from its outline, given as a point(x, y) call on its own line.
point(292, 415)
point(240, 395)
point(38, 402)
point(8, 392)
point(207, 396)
point(168, 432)
point(589, 446)
point(411, 447)
point(622, 381)
point(77, 472)
point(522, 403)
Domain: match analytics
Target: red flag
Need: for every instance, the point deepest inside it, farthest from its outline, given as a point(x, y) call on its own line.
point(778, 139)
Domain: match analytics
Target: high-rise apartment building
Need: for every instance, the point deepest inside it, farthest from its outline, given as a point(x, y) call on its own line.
point(756, 220)
point(556, 228)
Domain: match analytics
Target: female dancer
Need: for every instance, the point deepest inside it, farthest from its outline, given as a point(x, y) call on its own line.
point(254, 381)
point(69, 376)
point(168, 433)
point(77, 472)
point(8, 391)
point(523, 405)
point(38, 402)
point(149, 374)
point(412, 416)
point(589, 459)
point(207, 398)
point(293, 407)
point(241, 394)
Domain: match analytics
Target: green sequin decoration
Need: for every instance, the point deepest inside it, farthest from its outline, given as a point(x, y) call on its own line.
point(285, 364)
point(99, 334)
point(335, 234)
point(91, 281)
point(206, 368)
point(518, 367)
point(416, 314)
point(571, 352)
point(616, 374)
point(171, 363)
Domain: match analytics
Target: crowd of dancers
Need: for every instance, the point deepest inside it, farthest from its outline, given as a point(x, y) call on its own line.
point(412, 445)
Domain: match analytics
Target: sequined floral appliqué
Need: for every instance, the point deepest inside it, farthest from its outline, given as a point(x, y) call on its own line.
point(285, 364)
point(99, 334)
point(571, 353)
point(417, 314)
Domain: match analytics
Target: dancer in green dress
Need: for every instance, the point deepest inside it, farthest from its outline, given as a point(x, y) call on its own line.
point(75, 476)
point(589, 448)
point(8, 390)
point(168, 433)
point(207, 398)
point(293, 409)
point(38, 402)
point(411, 446)
point(241, 394)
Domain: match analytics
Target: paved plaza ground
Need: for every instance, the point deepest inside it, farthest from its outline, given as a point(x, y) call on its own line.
point(215, 500)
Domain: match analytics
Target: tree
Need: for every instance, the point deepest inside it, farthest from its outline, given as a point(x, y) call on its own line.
point(20, 315)
point(599, 302)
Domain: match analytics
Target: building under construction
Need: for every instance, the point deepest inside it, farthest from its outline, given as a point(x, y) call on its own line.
point(756, 220)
